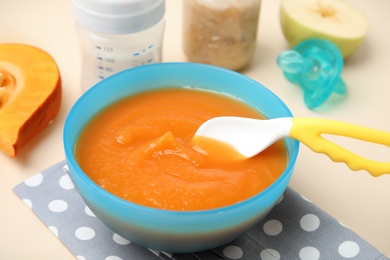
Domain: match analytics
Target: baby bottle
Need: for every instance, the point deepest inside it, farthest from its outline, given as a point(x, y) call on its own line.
point(116, 35)
point(220, 32)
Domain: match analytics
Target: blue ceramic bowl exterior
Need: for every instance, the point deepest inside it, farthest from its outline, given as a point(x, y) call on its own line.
point(174, 231)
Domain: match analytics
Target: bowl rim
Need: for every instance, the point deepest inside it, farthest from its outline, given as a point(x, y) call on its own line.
point(70, 159)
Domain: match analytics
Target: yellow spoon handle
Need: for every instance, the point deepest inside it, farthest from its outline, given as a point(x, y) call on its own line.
point(309, 131)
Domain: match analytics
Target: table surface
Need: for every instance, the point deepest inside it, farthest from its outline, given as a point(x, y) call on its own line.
point(357, 199)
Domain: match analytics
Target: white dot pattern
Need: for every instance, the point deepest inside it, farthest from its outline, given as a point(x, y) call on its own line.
point(349, 249)
point(35, 180)
point(273, 227)
point(28, 203)
point(233, 252)
point(280, 199)
point(294, 229)
point(120, 240)
point(54, 230)
point(309, 253)
point(310, 222)
point(89, 212)
point(58, 205)
point(66, 183)
point(85, 233)
point(113, 257)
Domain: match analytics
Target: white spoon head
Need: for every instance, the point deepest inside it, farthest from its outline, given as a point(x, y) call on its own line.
point(248, 136)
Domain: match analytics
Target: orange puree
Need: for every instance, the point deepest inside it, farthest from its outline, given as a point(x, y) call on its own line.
point(142, 150)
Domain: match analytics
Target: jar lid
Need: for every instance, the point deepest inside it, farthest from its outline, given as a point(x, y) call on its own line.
point(118, 16)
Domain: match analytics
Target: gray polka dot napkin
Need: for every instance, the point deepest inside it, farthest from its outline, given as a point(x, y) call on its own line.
point(294, 229)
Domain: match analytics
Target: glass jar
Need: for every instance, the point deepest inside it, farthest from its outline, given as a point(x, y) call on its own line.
point(220, 32)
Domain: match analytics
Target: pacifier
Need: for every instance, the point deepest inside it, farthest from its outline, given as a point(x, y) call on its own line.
point(315, 65)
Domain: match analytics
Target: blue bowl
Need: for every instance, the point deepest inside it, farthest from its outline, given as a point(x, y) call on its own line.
point(165, 230)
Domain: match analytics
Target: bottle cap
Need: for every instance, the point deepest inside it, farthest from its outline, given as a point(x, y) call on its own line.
point(118, 16)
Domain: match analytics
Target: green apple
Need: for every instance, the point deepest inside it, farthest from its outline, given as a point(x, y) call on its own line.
point(333, 20)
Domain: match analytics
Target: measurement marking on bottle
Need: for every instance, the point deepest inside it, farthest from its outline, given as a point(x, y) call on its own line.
point(136, 54)
point(110, 60)
point(98, 47)
point(101, 77)
point(99, 58)
point(100, 67)
point(108, 49)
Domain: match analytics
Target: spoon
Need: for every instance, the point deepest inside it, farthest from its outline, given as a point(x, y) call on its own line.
point(251, 136)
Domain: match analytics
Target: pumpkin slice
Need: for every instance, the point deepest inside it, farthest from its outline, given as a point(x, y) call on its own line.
point(30, 94)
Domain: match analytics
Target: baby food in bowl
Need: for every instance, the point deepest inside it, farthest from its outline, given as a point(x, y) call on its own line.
point(141, 150)
point(131, 155)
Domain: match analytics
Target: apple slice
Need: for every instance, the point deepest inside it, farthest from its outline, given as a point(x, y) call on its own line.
point(333, 20)
point(30, 94)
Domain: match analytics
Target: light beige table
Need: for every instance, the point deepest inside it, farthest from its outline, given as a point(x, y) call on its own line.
point(358, 200)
